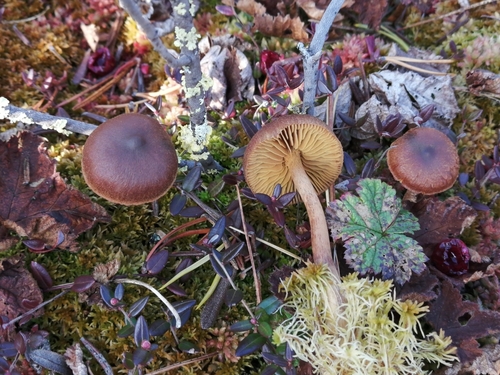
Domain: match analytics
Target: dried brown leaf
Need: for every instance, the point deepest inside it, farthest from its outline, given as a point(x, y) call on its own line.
point(370, 12)
point(487, 364)
point(102, 274)
point(419, 288)
point(229, 69)
point(463, 321)
point(491, 270)
point(489, 233)
point(314, 8)
point(19, 291)
point(35, 202)
point(281, 26)
point(270, 22)
point(440, 220)
point(481, 81)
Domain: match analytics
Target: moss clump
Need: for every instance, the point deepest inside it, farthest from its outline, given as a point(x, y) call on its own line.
point(371, 333)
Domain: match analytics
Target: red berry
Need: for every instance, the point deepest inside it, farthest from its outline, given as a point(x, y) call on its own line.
point(451, 257)
point(101, 62)
point(267, 58)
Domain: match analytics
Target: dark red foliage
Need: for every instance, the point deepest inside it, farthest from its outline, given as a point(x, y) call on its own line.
point(101, 62)
point(451, 257)
point(463, 321)
point(267, 58)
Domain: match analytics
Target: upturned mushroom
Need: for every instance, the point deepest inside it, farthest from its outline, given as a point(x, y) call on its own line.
point(302, 154)
point(129, 160)
point(425, 161)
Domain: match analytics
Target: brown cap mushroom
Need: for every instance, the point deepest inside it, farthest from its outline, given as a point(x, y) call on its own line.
point(424, 160)
point(129, 160)
point(302, 154)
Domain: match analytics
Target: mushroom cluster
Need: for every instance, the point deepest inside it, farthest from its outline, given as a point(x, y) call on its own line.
point(129, 160)
point(424, 160)
point(302, 154)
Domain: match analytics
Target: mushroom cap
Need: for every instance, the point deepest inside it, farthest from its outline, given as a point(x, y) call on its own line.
point(424, 160)
point(129, 160)
point(321, 154)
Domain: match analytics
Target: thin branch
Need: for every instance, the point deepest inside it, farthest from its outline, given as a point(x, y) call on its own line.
point(31, 117)
point(182, 364)
point(33, 310)
point(132, 8)
point(312, 55)
point(458, 11)
point(249, 249)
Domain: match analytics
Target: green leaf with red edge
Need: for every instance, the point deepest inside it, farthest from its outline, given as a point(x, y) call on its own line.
point(463, 321)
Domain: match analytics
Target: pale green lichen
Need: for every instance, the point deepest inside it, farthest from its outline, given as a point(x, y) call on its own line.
point(180, 9)
point(58, 125)
point(194, 140)
point(192, 8)
point(203, 85)
point(363, 335)
point(185, 38)
point(13, 117)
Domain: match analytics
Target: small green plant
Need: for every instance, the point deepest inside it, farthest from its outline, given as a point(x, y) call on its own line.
point(373, 226)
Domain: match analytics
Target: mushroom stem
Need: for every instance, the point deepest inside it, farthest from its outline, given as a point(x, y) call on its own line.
point(320, 239)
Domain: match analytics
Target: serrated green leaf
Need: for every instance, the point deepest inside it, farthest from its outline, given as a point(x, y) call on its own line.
point(373, 226)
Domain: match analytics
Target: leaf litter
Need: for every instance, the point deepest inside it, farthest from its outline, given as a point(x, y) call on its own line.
point(35, 202)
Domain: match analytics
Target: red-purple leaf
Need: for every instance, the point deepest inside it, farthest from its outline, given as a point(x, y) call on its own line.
point(177, 289)
point(192, 178)
point(41, 275)
point(159, 327)
point(29, 304)
point(193, 211)
point(225, 10)
point(185, 263)
point(177, 203)
point(141, 332)
point(463, 321)
point(157, 262)
point(250, 344)
point(83, 283)
point(141, 357)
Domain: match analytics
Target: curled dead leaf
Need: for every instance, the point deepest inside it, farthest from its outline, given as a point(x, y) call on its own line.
point(229, 69)
point(440, 220)
point(270, 22)
point(483, 82)
point(35, 202)
point(19, 291)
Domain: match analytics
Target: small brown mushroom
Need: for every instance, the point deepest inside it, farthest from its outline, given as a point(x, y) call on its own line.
point(129, 160)
point(424, 160)
point(301, 154)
